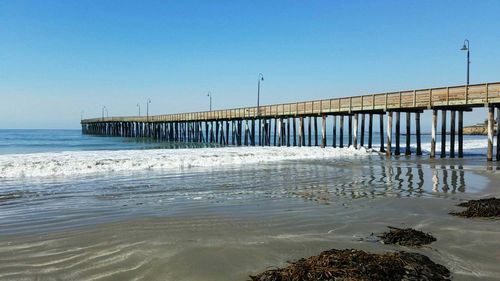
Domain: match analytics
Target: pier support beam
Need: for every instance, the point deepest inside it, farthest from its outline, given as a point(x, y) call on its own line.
point(408, 133)
point(452, 133)
point(301, 131)
point(309, 132)
point(389, 133)
point(323, 131)
point(294, 132)
point(315, 131)
point(370, 130)
point(417, 133)
point(460, 134)
point(349, 130)
point(443, 133)
point(341, 132)
point(498, 134)
point(275, 129)
point(252, 140)
point(288, 131)
point(334, 131)
point(355, 131)
point(491, 121)
point(433, 133)
point(362, 131)
point(381, 129)
point(398, 133)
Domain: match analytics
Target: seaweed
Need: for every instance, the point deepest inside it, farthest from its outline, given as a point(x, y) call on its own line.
point(351, 264)
point(406, 237)
point(489, 207)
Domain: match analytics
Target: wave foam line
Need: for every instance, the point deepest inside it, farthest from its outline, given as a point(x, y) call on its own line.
point(88, 162)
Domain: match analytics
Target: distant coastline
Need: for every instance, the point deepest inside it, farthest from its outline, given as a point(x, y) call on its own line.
point(479, 129)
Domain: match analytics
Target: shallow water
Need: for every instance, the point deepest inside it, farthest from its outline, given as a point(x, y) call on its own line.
point(229, 221)
point(76, 207)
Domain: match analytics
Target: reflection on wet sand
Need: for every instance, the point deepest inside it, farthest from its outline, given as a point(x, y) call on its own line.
point(388, 179)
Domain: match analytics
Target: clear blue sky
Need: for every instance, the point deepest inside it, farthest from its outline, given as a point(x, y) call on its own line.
point(58, 58)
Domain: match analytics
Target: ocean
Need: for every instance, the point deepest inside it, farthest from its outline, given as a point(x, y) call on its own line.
point(79, 207)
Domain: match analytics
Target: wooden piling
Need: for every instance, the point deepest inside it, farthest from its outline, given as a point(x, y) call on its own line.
point(362, 131)
point(323, 131)
point(349, 124)
point(381, 129)
point(433, 133)
point(498, 134)
point(443, 133)
point(301, 130)
point(315, 131)
point(275, 128)
point(294, 132)
point(252, 139)
point(398, 133)
point(355, 131)
point(389, 133)
point(288, 131)
point(370, 129)
point(491, 121)
point(269, 132)
point(217, 132)
point(309, 133)
point(247, 131)
point(280, 130)
point(452, 133)
point(240, 130)
point(341, 131)
point(417, 133)
point(408, 133)
point(334, 131)
point(460, 134)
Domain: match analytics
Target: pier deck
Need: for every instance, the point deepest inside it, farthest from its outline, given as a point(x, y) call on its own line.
point(188, 126)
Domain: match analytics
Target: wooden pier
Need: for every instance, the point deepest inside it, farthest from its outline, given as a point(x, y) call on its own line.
point(237, 126)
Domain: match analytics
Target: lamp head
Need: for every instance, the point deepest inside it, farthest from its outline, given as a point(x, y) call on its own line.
point(464, 48)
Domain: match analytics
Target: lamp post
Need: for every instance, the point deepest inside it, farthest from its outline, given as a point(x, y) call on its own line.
point(465, 47)
point(209, 94)
point(104, 108)
point(147, 110)
point(260, 78)
point(81, 115)
point(139, 106)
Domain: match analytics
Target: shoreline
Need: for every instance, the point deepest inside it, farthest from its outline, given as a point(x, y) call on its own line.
point(230, 238)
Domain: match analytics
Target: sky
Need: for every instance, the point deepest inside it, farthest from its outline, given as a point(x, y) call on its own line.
point(62, 59)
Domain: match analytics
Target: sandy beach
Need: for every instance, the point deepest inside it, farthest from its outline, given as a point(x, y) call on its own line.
point(258, 217)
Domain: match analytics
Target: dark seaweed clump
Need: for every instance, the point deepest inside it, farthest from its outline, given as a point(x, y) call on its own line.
point(406, 237)
point(350, 264)
point(489, 207)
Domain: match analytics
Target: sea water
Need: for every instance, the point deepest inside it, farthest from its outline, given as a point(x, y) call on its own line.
point(76, 207)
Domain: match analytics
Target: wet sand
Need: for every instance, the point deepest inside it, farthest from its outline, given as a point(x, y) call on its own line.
point(209, 240)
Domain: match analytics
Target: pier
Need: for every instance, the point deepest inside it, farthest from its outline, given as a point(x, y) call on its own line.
point(285, 124)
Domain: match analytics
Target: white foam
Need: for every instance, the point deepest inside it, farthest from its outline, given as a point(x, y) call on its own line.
point(88, 162)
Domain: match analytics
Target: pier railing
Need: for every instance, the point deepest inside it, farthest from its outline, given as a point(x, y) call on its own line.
point(456, 96)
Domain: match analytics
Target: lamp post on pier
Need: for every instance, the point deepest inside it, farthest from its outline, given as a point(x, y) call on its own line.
point(147, 110)
point(209, 94)
point(465, 47)
point(261, 78)
point(139, 106)
point(104, 109)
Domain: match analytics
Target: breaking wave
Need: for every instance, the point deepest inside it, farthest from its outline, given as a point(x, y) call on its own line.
point(88, 162)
